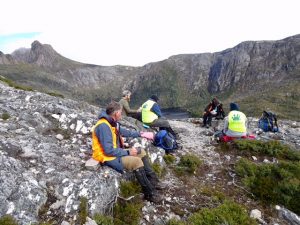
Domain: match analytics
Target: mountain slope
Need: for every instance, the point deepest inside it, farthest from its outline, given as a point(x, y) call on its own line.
point(245, 71)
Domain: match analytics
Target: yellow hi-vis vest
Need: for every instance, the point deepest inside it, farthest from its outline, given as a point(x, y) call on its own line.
point(98, 151)
point(237, 121)
point(147, 115)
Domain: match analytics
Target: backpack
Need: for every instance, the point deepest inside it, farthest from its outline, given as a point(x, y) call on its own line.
point(268, 122)
point(165, 140)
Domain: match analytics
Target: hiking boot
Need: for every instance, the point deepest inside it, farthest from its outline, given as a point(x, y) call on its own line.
point(149, 191)
point(155, 197)
point(151, 175)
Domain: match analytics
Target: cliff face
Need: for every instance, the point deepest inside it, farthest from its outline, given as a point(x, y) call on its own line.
point(250, 68)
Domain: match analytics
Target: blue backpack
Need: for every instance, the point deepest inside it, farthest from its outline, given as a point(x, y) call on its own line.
point(268, 122)
point(165, 140)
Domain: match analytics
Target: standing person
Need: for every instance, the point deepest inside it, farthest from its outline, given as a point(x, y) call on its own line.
point(126, 110)
point(107, 144)
point(213, 109)
point(235, 123)
point(152, 116)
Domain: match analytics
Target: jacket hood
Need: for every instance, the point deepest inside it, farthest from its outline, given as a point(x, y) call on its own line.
point(103, 114)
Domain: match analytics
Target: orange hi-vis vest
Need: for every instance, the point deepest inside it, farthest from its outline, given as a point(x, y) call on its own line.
point(98, 151)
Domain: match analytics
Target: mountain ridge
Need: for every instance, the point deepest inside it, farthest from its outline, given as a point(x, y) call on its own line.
point(185, 80)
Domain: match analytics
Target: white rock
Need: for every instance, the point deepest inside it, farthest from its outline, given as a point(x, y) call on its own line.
point(92, 164)
point(59, 137)
point(255, 213)
point(254, 158)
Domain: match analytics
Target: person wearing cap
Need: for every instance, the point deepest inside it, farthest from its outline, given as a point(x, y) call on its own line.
point(152, 116)
point(108, 148)
point(213, 109)
point(126, 110)
point(235, 123)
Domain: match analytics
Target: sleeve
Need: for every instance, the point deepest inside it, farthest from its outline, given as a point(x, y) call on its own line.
point(155, 108)
point(226, 124)
point(104, 135)
point(129, 133)
point(127, 108)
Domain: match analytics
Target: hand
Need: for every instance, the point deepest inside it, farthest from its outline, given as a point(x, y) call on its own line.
point(148, 135)
point(133, 151)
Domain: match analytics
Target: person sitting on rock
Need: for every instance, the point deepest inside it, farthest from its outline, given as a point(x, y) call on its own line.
point(107, 145)
point(213, 109)
point(126, 110)
point(235, 123)
point(152, 116)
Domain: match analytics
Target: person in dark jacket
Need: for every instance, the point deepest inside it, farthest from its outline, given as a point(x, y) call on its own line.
point(213, 109)
point(108, 148)
point(152, 116)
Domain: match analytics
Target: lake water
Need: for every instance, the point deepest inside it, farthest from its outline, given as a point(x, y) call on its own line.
point(175, 113)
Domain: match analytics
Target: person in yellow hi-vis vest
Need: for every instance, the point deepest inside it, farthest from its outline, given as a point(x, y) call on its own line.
point(152, 116)
point(108, 148)
point(235, 123)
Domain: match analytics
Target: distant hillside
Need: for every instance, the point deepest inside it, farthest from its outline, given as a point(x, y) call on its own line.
point(257, 74)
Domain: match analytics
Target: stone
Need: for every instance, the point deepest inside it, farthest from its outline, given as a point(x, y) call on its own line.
point(92, 164)
point(255, 213)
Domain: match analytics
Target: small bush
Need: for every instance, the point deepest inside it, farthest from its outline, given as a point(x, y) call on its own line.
point(227, 213)
point(8, 220)
point(83, 210)
point(269, 148)
point(5, 116)
point(129, 188)
point(215, 195)
point(169, 159)
point(127, 213)
point(158, 169)
point(188, 163)
point(273, 183)
point(103, 220)
point(175, 222)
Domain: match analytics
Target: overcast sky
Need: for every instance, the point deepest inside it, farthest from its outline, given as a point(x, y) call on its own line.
point(136, 32)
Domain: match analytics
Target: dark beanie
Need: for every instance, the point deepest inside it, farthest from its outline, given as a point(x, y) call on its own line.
point(234, 106)
point(154, 97)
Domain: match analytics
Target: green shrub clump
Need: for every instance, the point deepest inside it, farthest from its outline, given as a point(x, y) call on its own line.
point(169, 159)
point(83, 210)
point(8, 220)
point(127, 213)
point(103, 220)
point(227, 213)
point(129, 188)
point(269, 148)
point(188, 164)
point(175, 222)
point(273, 183)
point(5, 116)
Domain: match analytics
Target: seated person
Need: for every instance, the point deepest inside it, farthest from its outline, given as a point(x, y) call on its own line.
point(152, 116)
point(213, 109)
point(126, 110)
point(107, 145)
point(235, 123)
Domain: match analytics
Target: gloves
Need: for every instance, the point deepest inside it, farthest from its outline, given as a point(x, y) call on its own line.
point(148, 135)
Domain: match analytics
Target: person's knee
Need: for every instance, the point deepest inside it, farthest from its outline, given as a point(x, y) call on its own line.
point(143, 153)
point(137, 163)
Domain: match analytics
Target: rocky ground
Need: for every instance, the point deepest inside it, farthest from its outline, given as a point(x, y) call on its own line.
point(216, 175)
point(45, 142)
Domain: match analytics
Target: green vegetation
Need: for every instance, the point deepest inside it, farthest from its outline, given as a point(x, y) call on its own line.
point(5, 116)
point(175, 222)
point(269, 148)
point(127, 213)
point(55, 94)
point(227, 213)
point(129, 188)
point(188, 164)
point(158, 169)
point(102, 219)
point(83, 210)
point(169, 159)
point(15, 85)
point(8, 220)
point(273, 183)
